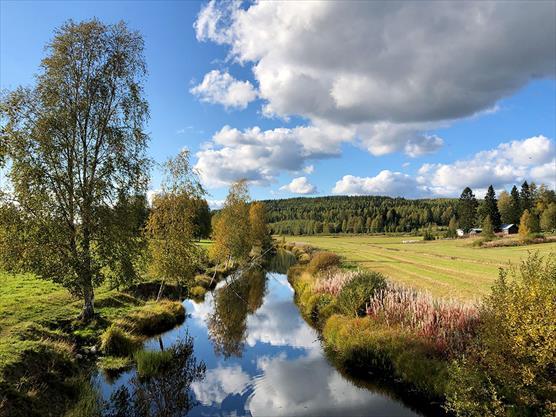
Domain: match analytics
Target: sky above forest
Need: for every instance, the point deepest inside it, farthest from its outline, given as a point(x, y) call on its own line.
point(407, 99)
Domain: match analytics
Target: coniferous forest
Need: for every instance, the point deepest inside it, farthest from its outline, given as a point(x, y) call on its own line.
point(376, 214)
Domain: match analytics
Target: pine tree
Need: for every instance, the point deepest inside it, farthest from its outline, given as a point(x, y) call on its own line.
point(467, 209)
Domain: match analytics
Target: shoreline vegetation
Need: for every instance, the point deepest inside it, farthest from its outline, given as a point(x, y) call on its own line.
point(47, 353)
point(446, 351)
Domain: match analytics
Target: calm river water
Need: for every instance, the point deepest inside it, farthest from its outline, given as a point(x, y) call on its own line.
point(261, 357)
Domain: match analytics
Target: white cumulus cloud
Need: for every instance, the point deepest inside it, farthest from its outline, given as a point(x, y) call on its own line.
point(221, 88)
point(260, 155)
point(531, 159)
point(509, 163)
point(391, 71)
point(300, 185)
point(394, 184)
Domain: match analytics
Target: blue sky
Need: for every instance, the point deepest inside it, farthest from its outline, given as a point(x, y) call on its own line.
point(376, 141)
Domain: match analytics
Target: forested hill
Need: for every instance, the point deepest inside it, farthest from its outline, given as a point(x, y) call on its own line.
point(345, 214)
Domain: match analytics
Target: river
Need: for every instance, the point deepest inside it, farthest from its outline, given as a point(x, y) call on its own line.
point(261, 358)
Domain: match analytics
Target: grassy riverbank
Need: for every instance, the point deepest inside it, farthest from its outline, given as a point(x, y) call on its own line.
point(495, 358)
point(445, 268)
point(43, 349)
point(362, 345)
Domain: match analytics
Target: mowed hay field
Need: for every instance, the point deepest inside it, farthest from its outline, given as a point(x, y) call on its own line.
point(446, 268)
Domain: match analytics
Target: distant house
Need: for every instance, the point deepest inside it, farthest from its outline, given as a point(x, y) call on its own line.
point(460, 232)
point(509, 229)
point(475, 231)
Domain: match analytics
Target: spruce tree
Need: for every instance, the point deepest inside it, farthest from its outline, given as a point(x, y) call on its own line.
point(467, 209)
point(525, 197)
point(515, 206)
point(490, 208)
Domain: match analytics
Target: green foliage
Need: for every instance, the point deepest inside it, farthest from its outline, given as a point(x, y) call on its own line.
point(260, 234)
point(489, 207)
point(151, 362)
point(467, 209)
point(89, 403)
point(515, 206)
point(231, 229)
point(201, 219)
point(428, 235)
point(321, 261)
point(488, 230)
point(119, 342)
point(65, 179)
point(114, 363)
point(363, 345)
point(171, 229)
point(356, 293)
point(198, 292)
point(355, 214)
point(452, 228)
point(548, 218)
point(154, 318)
point(509, 369)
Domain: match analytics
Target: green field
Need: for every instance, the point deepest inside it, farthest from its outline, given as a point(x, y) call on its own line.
point(446, 268)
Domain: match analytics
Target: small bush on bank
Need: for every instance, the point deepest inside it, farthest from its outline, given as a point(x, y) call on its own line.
point(118, 342)
point(197, 292)
point(304, 258)
point(322, 261)
point(114, 364)
point(428, 235)
point(151, 363)
point(355, 295)
point(205, 281)
point(155, 317)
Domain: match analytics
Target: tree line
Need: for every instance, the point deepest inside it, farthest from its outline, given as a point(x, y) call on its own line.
point(531, 208)
point(356, 214)
point(375, 214)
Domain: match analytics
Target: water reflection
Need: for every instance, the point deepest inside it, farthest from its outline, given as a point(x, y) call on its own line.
point(227, 325)
point(165, 391)
point(262, 358)
point(281, 261)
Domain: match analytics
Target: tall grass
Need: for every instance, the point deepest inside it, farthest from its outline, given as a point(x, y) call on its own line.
point(447, 324)
point(331, 281)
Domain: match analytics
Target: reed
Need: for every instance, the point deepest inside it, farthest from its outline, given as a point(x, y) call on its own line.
point(331, 281)
point(448, 325)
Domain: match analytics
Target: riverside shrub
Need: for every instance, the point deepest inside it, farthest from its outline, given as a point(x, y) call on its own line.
point(509, 368)
point(354, 296)
point(322, 261)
